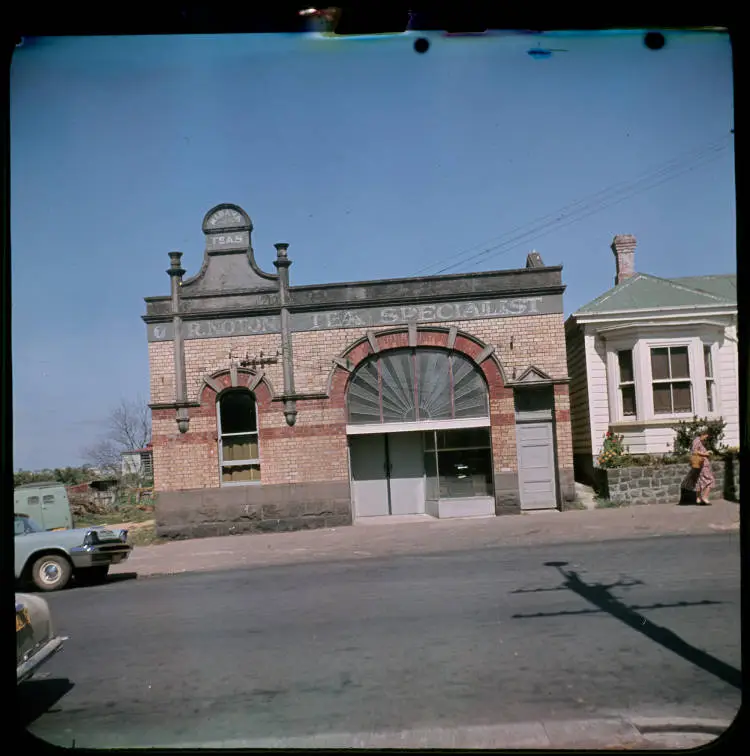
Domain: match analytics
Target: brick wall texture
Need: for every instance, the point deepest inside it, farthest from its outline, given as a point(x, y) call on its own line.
point(315, 449)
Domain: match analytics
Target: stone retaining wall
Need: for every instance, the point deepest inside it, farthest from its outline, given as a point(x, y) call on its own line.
point(232, 510)
point(659, 485)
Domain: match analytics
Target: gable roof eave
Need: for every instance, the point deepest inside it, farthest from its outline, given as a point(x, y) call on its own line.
point(657, 285)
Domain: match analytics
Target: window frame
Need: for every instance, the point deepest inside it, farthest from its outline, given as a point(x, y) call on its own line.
point(641, 345)
point(147, 464)
point(710, 381)
point(437, 450)
point(221, 436)
point(683, 344)
point(415, 385)
point(627, 384)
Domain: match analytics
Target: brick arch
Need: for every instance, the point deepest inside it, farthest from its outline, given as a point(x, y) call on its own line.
point(398, 338)
point(263, 391)
point(432, 336)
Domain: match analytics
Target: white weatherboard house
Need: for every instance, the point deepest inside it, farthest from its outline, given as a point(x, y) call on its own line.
point(648, 353)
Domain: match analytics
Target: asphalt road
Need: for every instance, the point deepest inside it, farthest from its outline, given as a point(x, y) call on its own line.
point(648, 626)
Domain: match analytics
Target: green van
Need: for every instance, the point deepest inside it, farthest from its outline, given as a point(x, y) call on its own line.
point(46, 503)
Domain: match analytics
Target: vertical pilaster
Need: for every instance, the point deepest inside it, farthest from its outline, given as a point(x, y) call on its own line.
point(282, 263)
point(176, 272)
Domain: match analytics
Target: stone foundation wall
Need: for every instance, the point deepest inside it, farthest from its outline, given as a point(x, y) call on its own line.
point(232, 510)
point(661, 485)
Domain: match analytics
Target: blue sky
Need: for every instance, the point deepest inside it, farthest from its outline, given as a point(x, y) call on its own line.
point(370, 160)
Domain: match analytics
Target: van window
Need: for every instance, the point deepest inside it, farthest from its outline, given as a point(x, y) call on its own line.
point(48, 499)
point(32, 501)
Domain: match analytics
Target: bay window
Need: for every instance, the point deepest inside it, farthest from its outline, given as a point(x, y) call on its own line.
point(656, 379)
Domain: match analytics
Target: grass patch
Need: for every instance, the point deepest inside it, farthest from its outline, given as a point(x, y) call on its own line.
point(122, 514)
point(607, 504)
point(145, 536)
point(577, 504)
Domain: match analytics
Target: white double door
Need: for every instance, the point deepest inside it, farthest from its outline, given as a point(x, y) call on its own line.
point(387, 474)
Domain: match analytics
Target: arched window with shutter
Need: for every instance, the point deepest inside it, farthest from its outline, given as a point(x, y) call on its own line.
point(414, 385)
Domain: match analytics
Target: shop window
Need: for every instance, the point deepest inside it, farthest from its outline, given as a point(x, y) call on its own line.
point(670, 375)
point(239, 457)
point(458, 463)
point(416, 384)
point(627, 382)
point(710, 379)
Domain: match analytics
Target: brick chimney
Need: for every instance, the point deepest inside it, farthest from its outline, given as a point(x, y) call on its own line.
point(623, 245)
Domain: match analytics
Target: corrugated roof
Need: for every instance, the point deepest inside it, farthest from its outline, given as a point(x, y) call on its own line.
point(643, 292)
point(722, 286)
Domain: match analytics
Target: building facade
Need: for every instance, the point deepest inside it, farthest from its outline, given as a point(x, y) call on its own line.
point(138, 462)
point(648, 353)
point(278, 407)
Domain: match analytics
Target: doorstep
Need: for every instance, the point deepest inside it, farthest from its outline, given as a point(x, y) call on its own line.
point(394, 519)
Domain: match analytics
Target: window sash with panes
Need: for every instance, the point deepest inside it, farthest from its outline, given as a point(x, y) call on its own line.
point(670, 380)
point(458, 463)
point(239, 455)
point(626, 383)
point(710, 379)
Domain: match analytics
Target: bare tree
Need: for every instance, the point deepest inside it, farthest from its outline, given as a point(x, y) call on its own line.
point(128, 427)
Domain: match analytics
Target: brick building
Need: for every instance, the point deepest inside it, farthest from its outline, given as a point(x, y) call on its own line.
point(278, 407)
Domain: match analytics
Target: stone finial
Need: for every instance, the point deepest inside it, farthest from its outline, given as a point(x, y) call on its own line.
point(534, 260)
point(281, 250)
point(175, 267)
point(623, 247)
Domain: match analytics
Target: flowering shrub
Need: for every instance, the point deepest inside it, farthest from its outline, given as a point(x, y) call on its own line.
point(613, 451)
point(686, 431)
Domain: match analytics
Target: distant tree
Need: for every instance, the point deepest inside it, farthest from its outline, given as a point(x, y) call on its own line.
point(127, 427)
point(69, 476)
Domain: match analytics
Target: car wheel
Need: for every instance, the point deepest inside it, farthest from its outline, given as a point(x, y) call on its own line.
point(92, 575)
point(51, 572)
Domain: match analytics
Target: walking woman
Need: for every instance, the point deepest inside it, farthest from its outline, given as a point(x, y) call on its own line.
point(699, 461)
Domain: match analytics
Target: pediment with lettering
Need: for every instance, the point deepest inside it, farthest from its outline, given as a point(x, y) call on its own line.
point(533, 375)
point(229, 261)
point(226, 217)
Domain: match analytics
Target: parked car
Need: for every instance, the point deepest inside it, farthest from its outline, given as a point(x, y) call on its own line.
point(49, 559)
point(36, 641)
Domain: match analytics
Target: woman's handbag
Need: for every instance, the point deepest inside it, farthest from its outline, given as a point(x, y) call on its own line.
point(696, 461)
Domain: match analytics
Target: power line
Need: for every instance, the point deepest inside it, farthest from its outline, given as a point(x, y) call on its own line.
point(581, 204)
point(585, 212)
point(619, 187)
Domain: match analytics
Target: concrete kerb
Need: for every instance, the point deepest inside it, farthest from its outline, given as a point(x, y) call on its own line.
point(337, 544)
point(652, 725)
point(613, 732)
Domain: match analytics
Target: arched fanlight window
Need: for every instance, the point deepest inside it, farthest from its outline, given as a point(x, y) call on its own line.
point(237, 420)
point(413, 385)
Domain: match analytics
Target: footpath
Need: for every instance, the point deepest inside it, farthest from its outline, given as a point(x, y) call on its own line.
point(614, 733)
point(424, 536)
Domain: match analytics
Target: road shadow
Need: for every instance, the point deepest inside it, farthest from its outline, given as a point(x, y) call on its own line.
point(37, 697)
point(121, 577)
point(600, 596)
